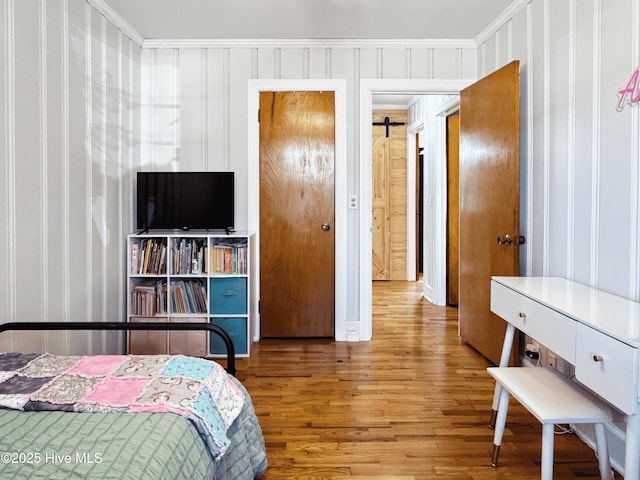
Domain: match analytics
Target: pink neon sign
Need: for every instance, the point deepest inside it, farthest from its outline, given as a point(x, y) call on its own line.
point(630, 93)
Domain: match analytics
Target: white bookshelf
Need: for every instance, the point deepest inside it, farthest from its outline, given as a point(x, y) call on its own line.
point(190, 277)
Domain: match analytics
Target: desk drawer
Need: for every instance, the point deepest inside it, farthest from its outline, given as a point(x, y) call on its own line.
point(552, 329)
point(608, 367)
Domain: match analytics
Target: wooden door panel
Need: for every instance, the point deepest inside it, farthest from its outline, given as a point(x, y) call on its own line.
point(381, 197)
point(489, 201)
point(297, 287)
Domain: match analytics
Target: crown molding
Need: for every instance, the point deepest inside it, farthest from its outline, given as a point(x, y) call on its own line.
point(503, 18)
point(118, 21)
point(308, 43)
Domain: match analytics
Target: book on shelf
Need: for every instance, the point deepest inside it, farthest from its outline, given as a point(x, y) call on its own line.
point(148, 257)
point(188, 256)
point(188, 296)
point(229, 258)
point(149, 298)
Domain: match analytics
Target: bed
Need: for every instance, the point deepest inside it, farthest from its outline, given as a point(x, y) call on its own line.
point(126, 416)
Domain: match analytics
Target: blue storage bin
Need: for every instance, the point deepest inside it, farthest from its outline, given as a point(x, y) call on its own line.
point(236, 328)
point(228, 295)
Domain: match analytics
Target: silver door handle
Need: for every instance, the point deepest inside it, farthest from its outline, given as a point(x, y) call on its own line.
point(326, 227)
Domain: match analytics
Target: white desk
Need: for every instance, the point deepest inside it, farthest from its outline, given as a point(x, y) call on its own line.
point(596, 332)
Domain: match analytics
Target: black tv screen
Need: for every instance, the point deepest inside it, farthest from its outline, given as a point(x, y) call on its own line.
point(185, 200)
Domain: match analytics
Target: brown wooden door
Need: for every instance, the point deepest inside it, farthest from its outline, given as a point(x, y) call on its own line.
point(297, 157)
point(489, 201)
point(453, 217)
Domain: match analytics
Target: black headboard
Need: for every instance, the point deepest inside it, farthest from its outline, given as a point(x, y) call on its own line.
point(39, 326)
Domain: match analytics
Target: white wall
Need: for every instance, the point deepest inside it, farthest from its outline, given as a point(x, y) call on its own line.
point(580, 169)
point(69, 137)
point(195, 104)
point(581, 175)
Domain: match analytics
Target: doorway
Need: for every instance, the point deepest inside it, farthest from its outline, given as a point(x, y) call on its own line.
point(435, 130)
point(391, 237)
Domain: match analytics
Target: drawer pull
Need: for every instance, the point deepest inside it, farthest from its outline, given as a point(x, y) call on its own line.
point(522, 315)
point(598, 358)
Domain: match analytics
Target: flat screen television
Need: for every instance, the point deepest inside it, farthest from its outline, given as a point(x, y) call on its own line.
point(185, 201)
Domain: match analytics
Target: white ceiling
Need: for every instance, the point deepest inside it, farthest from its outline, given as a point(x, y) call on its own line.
point(309, 19)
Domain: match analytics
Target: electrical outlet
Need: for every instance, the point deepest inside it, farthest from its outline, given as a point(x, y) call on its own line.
point(551, 360)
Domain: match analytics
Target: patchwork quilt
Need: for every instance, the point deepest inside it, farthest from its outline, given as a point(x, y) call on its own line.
point(198, 389)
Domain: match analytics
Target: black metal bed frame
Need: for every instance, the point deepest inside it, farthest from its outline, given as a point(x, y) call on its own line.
point(221, 332)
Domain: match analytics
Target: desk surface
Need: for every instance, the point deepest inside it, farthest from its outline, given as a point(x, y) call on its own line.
point(612, 315)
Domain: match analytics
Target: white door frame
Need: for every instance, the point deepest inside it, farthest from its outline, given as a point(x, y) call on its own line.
point(340, 199)
point(369, 87)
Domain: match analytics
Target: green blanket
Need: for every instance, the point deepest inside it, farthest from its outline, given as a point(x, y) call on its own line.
point(120, 446)
point(64, 445)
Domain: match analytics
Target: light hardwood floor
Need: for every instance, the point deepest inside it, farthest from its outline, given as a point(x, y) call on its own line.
point(413, 403)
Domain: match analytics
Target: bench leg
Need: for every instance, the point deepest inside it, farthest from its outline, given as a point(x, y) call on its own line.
point(501, 420)
point(546, 467)
point(603, 452)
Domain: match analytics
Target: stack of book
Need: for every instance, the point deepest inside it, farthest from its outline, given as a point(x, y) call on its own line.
point(149, 298)
point(229, 258)
point(189, 256)
point(148, 257)
point(188, 296)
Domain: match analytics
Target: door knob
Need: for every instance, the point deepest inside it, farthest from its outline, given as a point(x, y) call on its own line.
point(326, 227)
point(506, 240)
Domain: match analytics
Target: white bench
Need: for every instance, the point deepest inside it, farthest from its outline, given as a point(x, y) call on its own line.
point(553, 399)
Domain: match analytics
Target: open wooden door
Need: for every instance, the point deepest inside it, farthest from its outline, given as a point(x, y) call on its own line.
point(297, 242)
point(489, 201)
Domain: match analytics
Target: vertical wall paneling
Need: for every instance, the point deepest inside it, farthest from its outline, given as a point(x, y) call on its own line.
point(319, 63)
point(64, 182)
point(27, 206)
point(204, 113)
point(634, 217)
point(8, 267)
point(393, 63)
point(583, 124)
point(238, 67)
point(595, 167)
point(54, 207)
point(44, 168)
point(571, 139)
point(64, 118)
point(445, 62)
point(615, 170)
point(120, 163)
point(112, 233)
point(557, 160)
point(190, 109)
point(94, 190)
point(420, 61)
point(76, 182)
point(546, 129)
point(216, 101)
